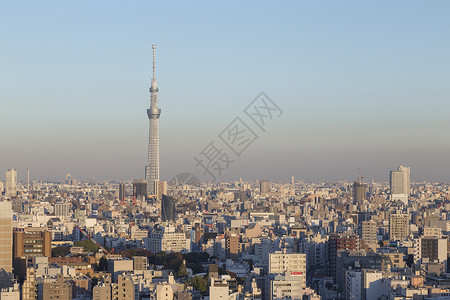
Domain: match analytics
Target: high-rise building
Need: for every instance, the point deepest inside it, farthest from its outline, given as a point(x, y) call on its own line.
point(6, 236)
point(29, 285)
point(359, 192)
point(431, 249)
point(336, 243)
point(264, 187)
point(168, 209)
point(398, 226)
point(369, 232)
point(152, 173)
point(232, 246)
point(161, 189)
point(399, 181)
point(11, 183)
point(122, 191)
point(139, 188)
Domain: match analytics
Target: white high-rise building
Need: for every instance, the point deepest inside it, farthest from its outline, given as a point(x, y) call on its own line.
point(11, 183)
point(400, 183)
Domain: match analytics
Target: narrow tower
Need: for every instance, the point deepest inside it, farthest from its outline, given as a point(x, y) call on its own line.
point(153, 113)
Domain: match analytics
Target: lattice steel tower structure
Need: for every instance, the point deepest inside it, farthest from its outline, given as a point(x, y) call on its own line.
point(152, 174)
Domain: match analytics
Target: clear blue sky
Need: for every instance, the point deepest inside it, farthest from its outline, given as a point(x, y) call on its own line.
point(363, 85)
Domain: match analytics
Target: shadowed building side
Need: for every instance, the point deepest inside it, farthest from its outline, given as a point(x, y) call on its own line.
point(168, 209)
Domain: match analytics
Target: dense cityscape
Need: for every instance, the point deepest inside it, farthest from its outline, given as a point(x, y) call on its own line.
point(224, 240)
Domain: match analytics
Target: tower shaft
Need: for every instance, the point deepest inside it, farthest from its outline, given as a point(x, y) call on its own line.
point(152, 174)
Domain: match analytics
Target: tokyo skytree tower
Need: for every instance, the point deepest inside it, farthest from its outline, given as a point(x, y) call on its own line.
point(153, 113)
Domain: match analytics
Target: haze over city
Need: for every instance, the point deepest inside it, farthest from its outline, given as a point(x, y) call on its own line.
point(361, 85)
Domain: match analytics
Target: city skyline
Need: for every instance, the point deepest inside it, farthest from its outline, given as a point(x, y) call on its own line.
point(361, 86)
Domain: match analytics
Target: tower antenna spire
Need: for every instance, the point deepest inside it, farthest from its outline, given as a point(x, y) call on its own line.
point(154, 59)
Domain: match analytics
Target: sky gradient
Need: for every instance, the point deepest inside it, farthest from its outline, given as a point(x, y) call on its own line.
point(362, 86)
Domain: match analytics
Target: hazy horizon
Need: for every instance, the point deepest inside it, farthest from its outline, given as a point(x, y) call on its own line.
point(363, 86)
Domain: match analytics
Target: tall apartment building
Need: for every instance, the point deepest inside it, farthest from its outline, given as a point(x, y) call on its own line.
point(337, 243)
point(353, 284)
point(232, 246)
point(430, 249)
point(6, 239)
point(369, 232)
point(293, 263)
point(29, 285)
point(398, 226)
point(11, 183)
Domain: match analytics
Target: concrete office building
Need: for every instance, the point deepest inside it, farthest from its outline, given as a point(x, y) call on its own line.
point(399, 181)
point(32, 242)
point(62, 209)
point(11, 183)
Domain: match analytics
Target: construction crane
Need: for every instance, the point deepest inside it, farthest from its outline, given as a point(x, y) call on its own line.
point(361, 176)
point(94, 241)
